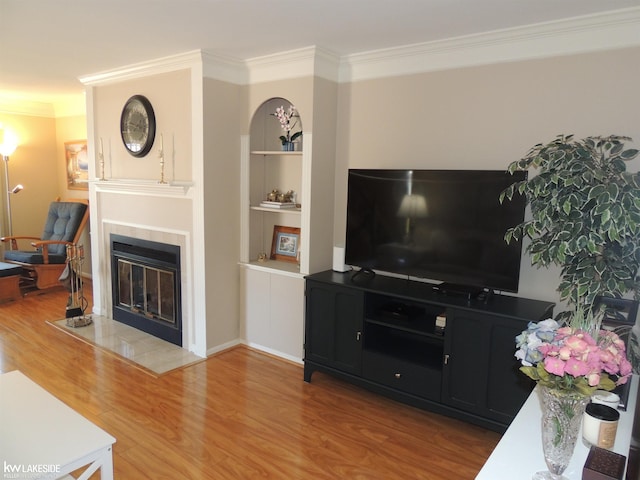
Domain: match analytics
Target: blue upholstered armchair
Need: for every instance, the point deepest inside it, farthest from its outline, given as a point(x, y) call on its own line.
point(45, 261)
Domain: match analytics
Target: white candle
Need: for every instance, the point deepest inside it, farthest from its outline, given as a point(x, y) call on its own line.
point(101, 150)
point(599, 425)
point(161, 143)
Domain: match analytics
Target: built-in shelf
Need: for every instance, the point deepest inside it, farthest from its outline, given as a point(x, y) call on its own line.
point(295, 211)
point(274, 152)
point(274, 266)
point(267, 168)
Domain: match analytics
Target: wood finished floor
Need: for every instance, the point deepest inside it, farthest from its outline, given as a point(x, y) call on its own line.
point(238, 415)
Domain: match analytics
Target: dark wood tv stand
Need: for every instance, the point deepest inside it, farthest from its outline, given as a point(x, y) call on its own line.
point(380, 333)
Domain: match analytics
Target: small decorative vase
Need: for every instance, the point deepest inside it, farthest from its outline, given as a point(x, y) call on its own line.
point(562, 413)
point(288, 146)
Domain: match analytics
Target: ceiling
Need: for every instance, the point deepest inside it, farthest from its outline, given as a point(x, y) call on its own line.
point(45, 46)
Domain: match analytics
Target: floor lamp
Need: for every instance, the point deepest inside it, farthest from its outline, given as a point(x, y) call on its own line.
point(6, 149)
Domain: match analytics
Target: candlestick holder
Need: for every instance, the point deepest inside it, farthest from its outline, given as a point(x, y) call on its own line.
point(101, 158)
point(161, 155)
point(162, 180)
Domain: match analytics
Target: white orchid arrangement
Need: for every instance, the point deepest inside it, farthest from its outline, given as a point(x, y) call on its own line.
point(285, 118)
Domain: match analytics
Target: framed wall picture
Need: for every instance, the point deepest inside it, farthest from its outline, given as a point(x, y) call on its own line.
point(285, 244)
point(77, 164)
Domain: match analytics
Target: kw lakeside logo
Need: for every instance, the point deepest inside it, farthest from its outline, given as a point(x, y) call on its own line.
point(36, 470)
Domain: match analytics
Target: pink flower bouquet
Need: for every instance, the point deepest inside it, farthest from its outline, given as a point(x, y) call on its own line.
point(567, 358)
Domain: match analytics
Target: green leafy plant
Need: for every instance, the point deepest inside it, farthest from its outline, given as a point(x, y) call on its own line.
point(585, 210)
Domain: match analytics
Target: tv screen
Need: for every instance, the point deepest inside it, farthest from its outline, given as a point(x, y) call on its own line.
point(443, 225)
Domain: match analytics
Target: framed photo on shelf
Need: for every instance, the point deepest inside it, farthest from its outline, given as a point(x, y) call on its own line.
point(618, 311)
point(285, 244)
point(620, 317)
point(77, 164)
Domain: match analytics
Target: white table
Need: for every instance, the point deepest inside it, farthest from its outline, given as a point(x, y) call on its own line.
point(519, 455)
point(41, 437)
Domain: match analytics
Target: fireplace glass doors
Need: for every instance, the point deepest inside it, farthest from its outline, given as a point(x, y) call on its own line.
point(146, 290)
point(145, 278)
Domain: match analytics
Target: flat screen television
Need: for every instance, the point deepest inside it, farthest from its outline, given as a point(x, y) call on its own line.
point(442, 225)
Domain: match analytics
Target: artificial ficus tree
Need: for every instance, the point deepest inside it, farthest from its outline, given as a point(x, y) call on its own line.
point(585, 210)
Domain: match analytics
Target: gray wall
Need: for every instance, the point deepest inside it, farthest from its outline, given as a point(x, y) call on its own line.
point(484, 118)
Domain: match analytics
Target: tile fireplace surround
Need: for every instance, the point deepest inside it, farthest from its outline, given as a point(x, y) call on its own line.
point(147, 211)
point(153, 235)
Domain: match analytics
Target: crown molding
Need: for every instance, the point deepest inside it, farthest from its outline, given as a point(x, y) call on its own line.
point(226, 69)
point(308, 61)
point(327, 65)
point(599, 32)
point(17, 105)
point(301, 62)
point(58, 107)
point(211, 65)
point(171, 63)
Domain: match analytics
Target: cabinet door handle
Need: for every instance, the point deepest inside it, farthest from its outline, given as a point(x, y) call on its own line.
point(446, 359)
point(358, 336)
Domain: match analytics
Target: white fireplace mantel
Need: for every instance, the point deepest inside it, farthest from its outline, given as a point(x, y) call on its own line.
point(144, 187)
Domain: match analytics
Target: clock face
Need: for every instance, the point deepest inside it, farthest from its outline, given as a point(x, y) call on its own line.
point(138, 126)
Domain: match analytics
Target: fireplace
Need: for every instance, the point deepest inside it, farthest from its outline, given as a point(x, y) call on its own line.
point(145, 278)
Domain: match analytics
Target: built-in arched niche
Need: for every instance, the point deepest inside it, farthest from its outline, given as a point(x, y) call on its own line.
point(266, 128)
point(272, 169)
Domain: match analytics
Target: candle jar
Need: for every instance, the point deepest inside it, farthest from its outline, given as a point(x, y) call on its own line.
point(606, 398)
point(599, 425)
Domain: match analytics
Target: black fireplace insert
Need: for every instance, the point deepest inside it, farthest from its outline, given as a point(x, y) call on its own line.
point(145, 278)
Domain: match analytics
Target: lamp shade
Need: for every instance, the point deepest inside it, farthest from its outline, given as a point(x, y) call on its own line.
point(8, 143)
point(413, 206)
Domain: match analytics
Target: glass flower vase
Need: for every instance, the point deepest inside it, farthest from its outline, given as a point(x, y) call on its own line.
point(562, 413)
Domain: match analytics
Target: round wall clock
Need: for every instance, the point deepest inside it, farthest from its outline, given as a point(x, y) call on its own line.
point(138, 125)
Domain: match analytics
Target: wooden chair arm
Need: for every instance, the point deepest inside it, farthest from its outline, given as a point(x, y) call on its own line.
point(44, 246)
point(14, 240)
